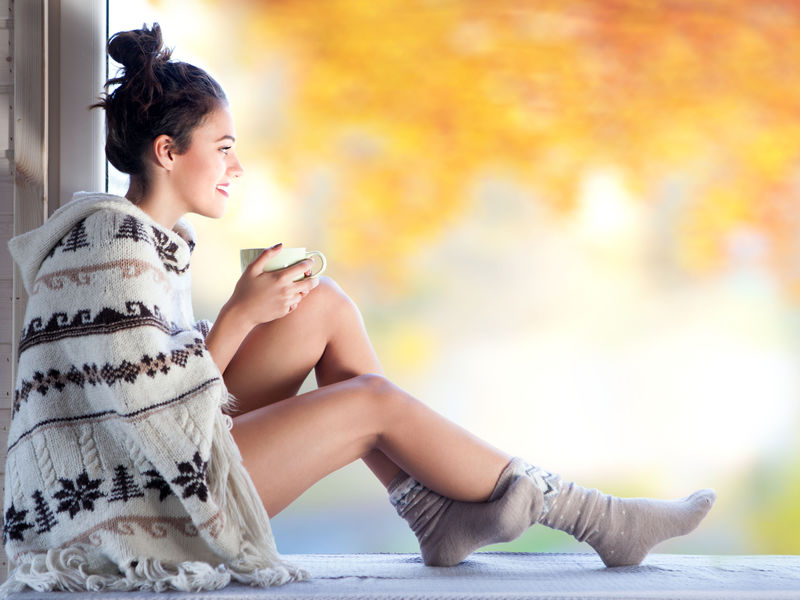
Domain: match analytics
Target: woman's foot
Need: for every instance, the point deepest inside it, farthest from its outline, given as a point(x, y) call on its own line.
point(448, 531)
point(623, 531)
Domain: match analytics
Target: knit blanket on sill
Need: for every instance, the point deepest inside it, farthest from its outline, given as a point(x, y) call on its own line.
point(122, 473)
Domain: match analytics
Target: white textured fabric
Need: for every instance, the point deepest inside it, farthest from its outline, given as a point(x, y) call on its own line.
point(508, 576)
point(121, 472)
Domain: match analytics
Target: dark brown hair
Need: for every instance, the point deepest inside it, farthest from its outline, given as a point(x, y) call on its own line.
point(154, 96)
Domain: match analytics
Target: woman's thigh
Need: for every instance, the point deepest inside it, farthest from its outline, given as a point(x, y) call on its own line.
point(325, 333)
point(289, 445)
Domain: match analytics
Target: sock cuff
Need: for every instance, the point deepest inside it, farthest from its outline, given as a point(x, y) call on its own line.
point(403, 492)
point(548, 483)
point(399, 478)
point(514, 469)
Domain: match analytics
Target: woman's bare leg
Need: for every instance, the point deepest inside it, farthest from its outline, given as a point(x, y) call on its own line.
point(291, 444)
point(325, 333)
point(288, 445)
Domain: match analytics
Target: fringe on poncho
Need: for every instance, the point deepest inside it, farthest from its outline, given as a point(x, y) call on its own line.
point(122, 473)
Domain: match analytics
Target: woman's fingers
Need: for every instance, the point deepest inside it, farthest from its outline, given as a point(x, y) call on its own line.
point(288, 285)
point(301, 289)
point(298, 271)
point(257, 266)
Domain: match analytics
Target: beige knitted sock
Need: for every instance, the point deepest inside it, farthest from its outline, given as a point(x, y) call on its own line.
point(448, 531)
point(621, 531)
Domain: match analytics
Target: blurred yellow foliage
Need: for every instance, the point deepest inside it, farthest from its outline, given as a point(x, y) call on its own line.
point(405, 102)
point(380, 117)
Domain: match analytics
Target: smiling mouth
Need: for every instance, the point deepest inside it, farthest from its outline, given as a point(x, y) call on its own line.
point(223, 189)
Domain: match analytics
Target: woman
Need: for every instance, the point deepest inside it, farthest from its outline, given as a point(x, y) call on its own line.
point(125, 472)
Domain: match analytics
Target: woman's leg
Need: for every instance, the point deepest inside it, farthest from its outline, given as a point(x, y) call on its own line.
point(326, 333)
point(289, 445)
point(293, 443)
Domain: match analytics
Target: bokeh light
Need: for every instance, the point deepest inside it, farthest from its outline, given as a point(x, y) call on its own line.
point(572, 227)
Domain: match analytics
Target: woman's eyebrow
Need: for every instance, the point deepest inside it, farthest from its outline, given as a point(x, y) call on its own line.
point(227, 137)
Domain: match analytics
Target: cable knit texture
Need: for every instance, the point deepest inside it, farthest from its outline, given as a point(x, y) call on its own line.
point(121, 472)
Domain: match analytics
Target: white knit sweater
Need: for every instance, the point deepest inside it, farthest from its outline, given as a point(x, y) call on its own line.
point(121, 471)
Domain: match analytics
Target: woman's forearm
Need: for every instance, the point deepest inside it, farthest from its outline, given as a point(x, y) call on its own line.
point(226, 335)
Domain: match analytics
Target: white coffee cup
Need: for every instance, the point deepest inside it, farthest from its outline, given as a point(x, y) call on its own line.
point(285, 258)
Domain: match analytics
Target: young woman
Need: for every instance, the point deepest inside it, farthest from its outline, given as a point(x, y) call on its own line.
point(128, 467)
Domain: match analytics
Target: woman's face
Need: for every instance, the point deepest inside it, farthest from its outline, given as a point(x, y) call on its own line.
point(200, 176)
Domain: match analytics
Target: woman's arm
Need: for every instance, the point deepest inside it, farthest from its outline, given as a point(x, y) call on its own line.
point(259, 297)
point(226, 335)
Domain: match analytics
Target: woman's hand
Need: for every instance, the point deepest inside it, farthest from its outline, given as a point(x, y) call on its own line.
point(261, 296)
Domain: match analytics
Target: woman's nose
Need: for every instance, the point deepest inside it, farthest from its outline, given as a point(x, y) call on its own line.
point(235, 169)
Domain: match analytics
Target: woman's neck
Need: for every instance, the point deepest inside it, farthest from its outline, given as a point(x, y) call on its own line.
point(152, 201)
point(136, 190)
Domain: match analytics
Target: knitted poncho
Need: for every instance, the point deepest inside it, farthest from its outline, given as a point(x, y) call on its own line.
point(122, 472)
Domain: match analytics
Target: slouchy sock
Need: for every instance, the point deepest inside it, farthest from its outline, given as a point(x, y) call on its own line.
point(621, 530)
point(448, 530)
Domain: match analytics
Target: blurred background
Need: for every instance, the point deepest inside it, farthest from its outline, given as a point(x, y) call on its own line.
point(571, 226)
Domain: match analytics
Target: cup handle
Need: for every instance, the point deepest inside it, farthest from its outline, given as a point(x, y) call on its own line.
point(323, 262)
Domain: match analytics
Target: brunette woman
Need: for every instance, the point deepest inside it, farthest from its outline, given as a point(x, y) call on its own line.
point(128, 467)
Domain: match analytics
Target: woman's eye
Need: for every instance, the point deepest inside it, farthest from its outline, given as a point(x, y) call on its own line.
point(225, 149)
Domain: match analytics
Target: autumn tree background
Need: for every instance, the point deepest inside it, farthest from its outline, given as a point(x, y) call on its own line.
point(571, 226)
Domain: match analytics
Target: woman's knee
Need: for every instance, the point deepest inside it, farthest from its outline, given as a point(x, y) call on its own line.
point(376, 385)
point(328, 290)
point(380, 396)
point(328, 298)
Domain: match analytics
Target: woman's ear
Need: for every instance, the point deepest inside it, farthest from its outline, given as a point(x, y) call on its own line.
point(162, 147)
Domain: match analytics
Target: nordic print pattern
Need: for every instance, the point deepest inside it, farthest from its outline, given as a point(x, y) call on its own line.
point(133, 229)
point(113, 281)
point(15, 524)
point(83, 322)
point(166, 249)
point(124, 486)
point(76, 238)
point(107, 374)
point(78, 495)
point(193, 477)
point(154, 528)
point(85, 276)
point(158, 483)
point(45, 519)
point(83, 493)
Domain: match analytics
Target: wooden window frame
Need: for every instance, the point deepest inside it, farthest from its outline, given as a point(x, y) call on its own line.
point(55, 145)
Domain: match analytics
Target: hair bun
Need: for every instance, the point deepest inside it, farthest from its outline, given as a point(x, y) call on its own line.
point(138, 48)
